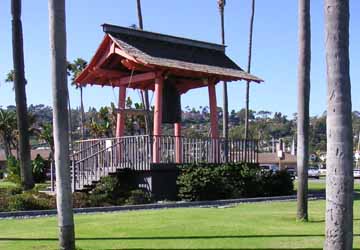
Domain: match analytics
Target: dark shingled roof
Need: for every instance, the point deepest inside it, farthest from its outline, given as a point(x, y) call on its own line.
point(175, 52)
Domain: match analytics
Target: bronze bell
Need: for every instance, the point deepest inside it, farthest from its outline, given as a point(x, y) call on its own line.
point(171, 104)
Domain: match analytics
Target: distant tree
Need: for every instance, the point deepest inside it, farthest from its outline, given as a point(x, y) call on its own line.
point(247, 95)
point(339, 158)
point(45, 133)
point(7, 128)
point(20, 96)
point(263, 114)
point(144, 93)
point(74, 69)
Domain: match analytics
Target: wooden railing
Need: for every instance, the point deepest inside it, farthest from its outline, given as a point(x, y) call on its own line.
point(93, 159)
point(97, 158)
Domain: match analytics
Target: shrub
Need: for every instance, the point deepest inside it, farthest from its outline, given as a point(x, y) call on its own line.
point(224, 181)
point(11, 190)
point(138, 196)
point(113, 190)
point(27, 201)
point(81, 200)
point(199, 182)
point(278, 183)
point(13, 170)
point(5, 194)
point(39, 169)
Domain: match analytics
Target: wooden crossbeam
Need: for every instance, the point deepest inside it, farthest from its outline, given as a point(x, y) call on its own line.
point(138, 78)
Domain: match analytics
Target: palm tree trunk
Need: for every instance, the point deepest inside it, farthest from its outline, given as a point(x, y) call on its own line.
point(20, 96)
point(7, 149)
point(82, 114)
point(70, 124)
point(139, 12)
point(144, 93)
point(339, 179)
point(247, 95)
point(304, 66)
point(60, 121)
point(225, 92)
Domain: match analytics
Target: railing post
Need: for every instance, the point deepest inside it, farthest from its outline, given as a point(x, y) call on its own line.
point(178, 142)
point(73, 175)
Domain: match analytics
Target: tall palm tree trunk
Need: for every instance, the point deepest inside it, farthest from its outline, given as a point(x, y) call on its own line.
point(144, 93)
point(247, 95)
point(7, 150)
point(339, 179)
point(304, 66)
point(221, 5)
point(60, 121)
point(20, 96)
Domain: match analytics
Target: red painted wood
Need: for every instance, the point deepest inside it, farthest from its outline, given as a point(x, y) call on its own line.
point(159, 84)
point(135, 66)
point(136, 78)
point(213, 110)
point(120, 122)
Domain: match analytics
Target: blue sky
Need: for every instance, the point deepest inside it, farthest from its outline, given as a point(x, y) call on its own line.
point(274, 49)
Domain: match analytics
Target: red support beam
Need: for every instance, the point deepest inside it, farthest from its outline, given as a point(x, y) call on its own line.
point(178, 144)
point(121, 116)
point(213, 121)
point(108, 73)
point(138, 78)
point(213, 110)
point(159, 84)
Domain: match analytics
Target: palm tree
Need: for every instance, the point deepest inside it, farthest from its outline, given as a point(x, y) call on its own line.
point(7, 127)
point(10, 76)
point(303, 108)
point(144, 93)
point(339, 179)
point(45, 133)
point(221, 5)
point(60, 122)
point(74, 69)
point(20, 96)
point(247, 95)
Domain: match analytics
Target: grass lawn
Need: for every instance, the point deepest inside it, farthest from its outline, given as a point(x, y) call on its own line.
point(247, 226)
point(6, 184)
point(319, 186)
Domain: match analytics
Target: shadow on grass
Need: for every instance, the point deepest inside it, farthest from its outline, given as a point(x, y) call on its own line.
point(220, 248)
point(172, 237)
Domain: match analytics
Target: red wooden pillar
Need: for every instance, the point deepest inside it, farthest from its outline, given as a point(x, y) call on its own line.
point(213, 110)
point(159, 84)
point(121, 116)
point(178, 146)
point(214, 129)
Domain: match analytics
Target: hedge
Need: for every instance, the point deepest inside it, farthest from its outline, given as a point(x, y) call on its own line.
point(227, 181)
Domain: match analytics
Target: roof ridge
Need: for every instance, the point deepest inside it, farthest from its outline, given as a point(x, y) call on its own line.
point(109, 28)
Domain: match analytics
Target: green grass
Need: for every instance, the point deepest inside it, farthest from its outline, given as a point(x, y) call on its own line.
point(317, 186)
point(38, 186)
point(247, 226)
point(7, 184)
